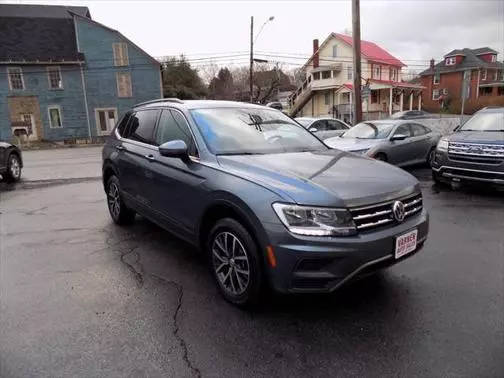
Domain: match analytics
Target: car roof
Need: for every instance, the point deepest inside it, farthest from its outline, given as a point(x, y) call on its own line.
point(492, 109)
point(198, 104)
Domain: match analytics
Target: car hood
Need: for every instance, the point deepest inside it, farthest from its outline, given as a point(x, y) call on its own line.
point(352, 144)
point(496, 137)
point(328, 178)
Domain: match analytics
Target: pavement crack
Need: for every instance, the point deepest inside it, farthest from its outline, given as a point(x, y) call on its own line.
point(135, 267)
point(183, 344)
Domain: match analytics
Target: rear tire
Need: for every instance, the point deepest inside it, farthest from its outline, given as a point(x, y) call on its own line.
point(381, 156)
point(430, 156)
point(13, 173)
point(118, 210)
point(235, 263)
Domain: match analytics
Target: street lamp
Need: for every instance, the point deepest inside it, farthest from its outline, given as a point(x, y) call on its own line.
point(252, 41)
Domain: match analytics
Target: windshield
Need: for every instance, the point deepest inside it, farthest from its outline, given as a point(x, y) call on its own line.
point(236, 131)
point(485, 122)
point(304, 122)
point(369, 130)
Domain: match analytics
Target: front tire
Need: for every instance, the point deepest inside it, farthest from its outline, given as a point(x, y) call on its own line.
point(118, 210)
point(13, 173)
point(235, 263)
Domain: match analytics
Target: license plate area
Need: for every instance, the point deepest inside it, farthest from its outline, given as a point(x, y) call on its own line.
point(405, 243)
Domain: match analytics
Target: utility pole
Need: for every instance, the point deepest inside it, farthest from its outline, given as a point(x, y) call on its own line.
point(356, 60)
point(251, 73)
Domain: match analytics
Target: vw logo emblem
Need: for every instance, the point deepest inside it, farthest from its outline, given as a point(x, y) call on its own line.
point(398, 211)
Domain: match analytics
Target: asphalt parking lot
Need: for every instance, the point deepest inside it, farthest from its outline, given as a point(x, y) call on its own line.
point(80, 296)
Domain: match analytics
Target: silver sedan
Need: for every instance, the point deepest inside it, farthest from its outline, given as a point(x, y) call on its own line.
point(398, 142)
point(323, 128)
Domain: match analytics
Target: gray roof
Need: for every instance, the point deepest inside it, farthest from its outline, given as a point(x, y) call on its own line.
point(41, 11)
point(470, 61)
point(31, 33)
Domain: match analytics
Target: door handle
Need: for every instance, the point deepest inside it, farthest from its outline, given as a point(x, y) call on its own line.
point(120, 148)
point(150, 157)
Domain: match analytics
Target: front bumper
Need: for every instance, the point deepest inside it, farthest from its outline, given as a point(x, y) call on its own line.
point(449, 170)
point(318, 264)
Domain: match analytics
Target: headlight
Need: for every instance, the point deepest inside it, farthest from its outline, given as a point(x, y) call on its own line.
point(315, 221)
point(442, 144)
point(361, 152)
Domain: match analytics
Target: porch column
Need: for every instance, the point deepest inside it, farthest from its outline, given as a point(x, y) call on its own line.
point(420, 101)
point(411, 100)
point(390, 101)
point(402, 101)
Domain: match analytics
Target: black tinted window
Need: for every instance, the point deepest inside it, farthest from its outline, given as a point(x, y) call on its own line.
point(319, 125)
point(173, 126)
point(142, 126)
point(121, 128)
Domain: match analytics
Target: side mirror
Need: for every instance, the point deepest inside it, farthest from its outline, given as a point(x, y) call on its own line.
point(313, 129)
point(398, 137)
point(174, 148)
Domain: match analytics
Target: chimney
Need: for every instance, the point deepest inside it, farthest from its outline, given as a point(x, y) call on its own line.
point(432, 63)
point(315, 53)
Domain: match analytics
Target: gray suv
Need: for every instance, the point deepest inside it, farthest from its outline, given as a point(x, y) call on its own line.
point(474, 152)
point(269, 204)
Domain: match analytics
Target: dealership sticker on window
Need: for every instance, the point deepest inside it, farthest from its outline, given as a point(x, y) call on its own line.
point(405, 244)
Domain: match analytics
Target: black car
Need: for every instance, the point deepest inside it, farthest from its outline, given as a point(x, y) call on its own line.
point(474, 152)
point(411, 114)
point(268, 202)
point(11, 162)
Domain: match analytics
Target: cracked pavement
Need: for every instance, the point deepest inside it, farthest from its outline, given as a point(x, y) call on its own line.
point(80, 296)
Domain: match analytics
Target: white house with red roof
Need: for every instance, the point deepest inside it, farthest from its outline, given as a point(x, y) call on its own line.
point(328, 85)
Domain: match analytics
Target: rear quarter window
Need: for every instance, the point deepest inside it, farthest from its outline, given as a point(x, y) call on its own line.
point(141, 126)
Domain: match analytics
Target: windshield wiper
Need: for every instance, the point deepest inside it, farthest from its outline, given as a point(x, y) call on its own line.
point(240, 153)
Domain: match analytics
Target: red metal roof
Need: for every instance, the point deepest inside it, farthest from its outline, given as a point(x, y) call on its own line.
point(372, 51)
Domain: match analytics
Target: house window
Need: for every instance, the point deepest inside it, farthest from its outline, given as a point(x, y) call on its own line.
point(377, 72)
point(501, 75)
point(393, 74)
point(494, 58)
point(435, 94)
point(437, 78)
point(105, 120)
point(500, 91)
point(335, 51)
point(15, 78)
point(375, 97)
point(120, 54)
point(316, 76)
point(124, 84)
point(326, 74)
point(54, 77)
point(484, 74)
point(349, 73)
point(54, 112)
point(485, 91)
point(451, 61)
point(327, 98)
point(496, 75)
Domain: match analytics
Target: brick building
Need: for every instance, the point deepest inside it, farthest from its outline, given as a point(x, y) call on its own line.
point(443, 82)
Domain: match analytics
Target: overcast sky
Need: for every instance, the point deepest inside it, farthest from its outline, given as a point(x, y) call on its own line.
point(414, 31)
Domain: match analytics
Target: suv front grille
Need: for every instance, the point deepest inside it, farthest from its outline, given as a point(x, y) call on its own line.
point(476, 152)
point(370, 217)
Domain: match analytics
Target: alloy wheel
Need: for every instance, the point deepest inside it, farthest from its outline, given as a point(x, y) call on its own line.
point(230, 263)
point(114, 200)
point(15, 167)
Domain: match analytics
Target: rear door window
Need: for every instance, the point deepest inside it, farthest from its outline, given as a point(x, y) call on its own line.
point(403, 130)
point(335, 125)
point(418, 130)
point(141, 126)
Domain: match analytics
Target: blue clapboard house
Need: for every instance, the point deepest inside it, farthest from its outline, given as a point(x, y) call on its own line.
point(66, 77)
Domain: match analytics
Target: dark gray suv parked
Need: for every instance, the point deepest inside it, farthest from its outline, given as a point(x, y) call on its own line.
point(474, 152)
point(270, 204)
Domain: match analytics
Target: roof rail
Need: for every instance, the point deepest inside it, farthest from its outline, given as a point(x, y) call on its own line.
point(168, 99)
